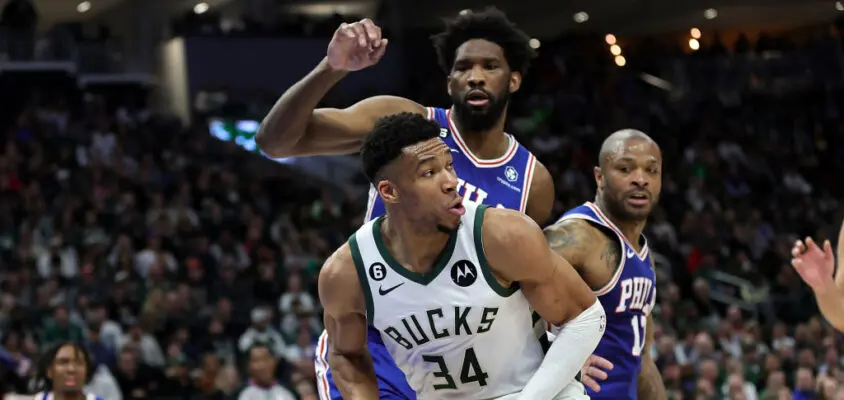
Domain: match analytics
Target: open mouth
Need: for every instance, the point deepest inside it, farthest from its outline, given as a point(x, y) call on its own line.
point(477, 98)
point(457, 207)
point(638, 199)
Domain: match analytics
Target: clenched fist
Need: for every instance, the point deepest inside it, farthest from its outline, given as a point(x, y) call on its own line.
point(356, 46)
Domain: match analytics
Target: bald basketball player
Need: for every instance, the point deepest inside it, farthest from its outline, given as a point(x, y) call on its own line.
point(603, 241)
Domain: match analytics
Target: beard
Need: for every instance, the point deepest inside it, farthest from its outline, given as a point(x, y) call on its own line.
point(480, 119)
point(614, 202)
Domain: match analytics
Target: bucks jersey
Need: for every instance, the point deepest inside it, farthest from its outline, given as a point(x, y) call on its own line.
point(503, 182)
point(628, 298)
point(455, 332)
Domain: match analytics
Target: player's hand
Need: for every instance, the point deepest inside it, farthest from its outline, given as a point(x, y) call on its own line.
point(593, 371)
point(814, 265)
point(356, 46)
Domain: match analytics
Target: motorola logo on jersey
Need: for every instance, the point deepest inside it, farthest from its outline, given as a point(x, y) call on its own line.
point(511, 174)
point(377, 272)
point(463, 273)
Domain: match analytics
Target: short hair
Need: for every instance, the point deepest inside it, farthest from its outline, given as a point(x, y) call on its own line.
point(390, 135)
point(490, 24)
point(41, 376)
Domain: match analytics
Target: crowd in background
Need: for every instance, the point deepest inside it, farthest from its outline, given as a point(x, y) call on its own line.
point(170, 255)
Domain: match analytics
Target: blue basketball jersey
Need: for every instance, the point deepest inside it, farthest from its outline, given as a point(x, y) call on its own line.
point(628, 298)
point(502, 182)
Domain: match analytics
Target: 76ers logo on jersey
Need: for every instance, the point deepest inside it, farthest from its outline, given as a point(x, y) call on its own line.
point(463, 273)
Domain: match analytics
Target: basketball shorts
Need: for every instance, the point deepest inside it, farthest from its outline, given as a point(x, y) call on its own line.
point(574, 391)
point(392, 384)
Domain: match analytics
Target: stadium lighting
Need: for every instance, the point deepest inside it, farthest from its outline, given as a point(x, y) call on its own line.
point(83, 7)
point(581, 17)
point(695, 32)
point(620, 61)
point(200, 8)
point(694, 44)
point(534, 43)
point(710, 13)
point(466, 11)
point(839, 6)
point(615, 50)
point(610, 39)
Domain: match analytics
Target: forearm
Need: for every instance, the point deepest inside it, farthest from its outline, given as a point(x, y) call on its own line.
point(574, 343)
point(286, 123)
point(354, 376)
point(650, 381)
point(831, 304)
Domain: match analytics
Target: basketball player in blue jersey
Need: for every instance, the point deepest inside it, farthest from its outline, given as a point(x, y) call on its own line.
point(603, 241)
point(485, 57)
point(64, 370)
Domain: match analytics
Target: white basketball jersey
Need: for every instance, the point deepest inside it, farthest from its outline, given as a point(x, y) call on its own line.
point(454, 331)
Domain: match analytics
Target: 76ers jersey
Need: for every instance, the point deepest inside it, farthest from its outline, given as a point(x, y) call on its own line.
point(503, 182)
point(628, 298)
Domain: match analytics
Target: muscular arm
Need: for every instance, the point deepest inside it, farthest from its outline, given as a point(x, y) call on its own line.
point(831, 301)
point(650, 381)
point(293, 127)
point(553, 288)
point(345, 320)
point(592, 254)
point(541, 196)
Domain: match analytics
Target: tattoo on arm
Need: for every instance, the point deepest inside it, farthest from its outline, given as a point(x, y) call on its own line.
point(611, 255)
point(568, 240)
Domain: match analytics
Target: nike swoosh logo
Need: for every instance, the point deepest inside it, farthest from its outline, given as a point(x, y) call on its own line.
point(454, 151)
point(383, 292)
point(630, 253)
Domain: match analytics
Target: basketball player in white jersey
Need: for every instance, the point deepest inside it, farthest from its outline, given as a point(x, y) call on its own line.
point(451, 285)
point(817, 268)
point(64, 370)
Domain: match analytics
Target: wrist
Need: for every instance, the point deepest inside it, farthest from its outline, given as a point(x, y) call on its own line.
point(325, 67)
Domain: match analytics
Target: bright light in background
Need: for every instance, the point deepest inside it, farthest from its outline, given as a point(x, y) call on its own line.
point(464, 12)
point(534, 43)
point(615, 49)
point(620, 61)
point(83, 6)
point(581, 17)
point(839, 6)
point(710, 13)
point(695, 32)
point(200, 8)
point(694, 44)
point(610, 39)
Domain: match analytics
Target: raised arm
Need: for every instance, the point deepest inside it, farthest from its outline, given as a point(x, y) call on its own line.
point(294, 128)
point(345, 320)
point(519, 255)
point(816, 266)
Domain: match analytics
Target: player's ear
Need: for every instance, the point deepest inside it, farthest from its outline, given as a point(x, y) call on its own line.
point(388, 192)
point(448, 82)
point(599, 177)
point(515, 81)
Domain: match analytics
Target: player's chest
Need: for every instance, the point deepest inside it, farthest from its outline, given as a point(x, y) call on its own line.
point(497, 187)
point(634, 293)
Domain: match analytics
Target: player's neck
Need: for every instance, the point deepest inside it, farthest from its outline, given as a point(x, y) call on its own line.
point(632, 230)
point(415, 250)
point(488, 144)
point(68, 396)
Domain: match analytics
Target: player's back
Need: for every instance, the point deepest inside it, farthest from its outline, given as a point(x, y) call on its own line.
point(627, 299)
point(455, 332)
point(503, 182)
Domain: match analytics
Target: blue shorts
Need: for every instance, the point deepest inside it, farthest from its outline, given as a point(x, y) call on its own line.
point(392, 384)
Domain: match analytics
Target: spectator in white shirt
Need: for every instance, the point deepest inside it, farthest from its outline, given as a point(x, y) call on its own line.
point(262, 384)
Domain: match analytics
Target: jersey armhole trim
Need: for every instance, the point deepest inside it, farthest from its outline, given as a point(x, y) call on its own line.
point(485, 268)
point(362, 279)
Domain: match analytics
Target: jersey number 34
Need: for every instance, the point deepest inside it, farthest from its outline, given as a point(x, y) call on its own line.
point(470, 371)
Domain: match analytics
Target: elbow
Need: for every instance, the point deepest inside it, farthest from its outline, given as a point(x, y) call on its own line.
point(271, 141)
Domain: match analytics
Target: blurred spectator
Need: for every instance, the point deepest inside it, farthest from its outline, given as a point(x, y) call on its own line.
point(262, 382)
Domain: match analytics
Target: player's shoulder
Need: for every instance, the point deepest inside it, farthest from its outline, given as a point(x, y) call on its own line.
point(338, 274)
point(574, 238)
point(508, 227)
